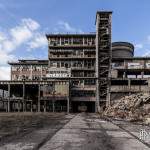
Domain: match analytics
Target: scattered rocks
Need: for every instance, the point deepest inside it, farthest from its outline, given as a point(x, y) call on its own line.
point(147, 120)
point(135, 107)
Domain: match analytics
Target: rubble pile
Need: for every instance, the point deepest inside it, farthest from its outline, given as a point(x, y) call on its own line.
point(135, 107)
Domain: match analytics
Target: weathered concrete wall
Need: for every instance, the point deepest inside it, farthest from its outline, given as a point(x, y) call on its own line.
point(57, 90)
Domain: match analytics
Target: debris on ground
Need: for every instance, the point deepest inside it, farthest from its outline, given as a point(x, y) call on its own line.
point(135, 107)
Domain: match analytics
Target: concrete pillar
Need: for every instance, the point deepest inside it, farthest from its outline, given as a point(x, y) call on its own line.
point(142, 74)
point(18, 105)
point(13, 105)
point(129, 85)
point(41, 73)
point(83, 65)
point(11, 73)
point(140, 87)
point(3, 94)
point(31, 73)
point(97, 97)
point(125, 65)
point(53, 97)
point(3, 99)
point(45, 106)
point(24, 102)
point(83, 41)
point(3, 105)
point(68, 105)
point(39, 97)
point(108, 103)
point(31, 106)
point(124, 75)
point(83, 83)
point(53, 106)
point(60, 41)
point(8, 103)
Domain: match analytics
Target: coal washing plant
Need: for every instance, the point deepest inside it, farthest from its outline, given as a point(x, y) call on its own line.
point(83, 72)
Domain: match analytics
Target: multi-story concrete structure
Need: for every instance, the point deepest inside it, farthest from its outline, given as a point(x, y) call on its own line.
point(128, 74)
point(82, 71)
point(28, 70)
point(73, 56)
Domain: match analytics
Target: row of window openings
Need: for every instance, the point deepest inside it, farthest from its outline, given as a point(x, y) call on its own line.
point(75, 74)
point(23, 77)
point(69, 41)
point(57, 72)
point(83, 94)
point(80, 74)
point(84, 82)
point(29, 68)
point(83, 74)
point(70, 55)
point(74, 64)
point(131, 65)
point(73, 51)
point(134, 76)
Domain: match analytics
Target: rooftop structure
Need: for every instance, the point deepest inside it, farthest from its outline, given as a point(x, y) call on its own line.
point(122, 49)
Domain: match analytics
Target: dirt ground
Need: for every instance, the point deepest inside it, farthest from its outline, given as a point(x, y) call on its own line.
point(60, 131)
point(17, 126)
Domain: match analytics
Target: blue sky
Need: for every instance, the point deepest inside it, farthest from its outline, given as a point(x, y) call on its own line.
point(24, 23)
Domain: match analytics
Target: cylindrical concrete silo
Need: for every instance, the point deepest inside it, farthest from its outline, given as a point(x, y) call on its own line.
point(122, 50)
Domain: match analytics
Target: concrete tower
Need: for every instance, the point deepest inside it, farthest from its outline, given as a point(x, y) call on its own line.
point(103, 57)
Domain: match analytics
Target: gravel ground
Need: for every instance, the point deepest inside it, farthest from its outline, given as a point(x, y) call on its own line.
point(26, 131)
point(59, 131)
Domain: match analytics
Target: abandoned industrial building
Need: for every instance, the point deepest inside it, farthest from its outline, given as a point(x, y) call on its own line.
point(83, 72)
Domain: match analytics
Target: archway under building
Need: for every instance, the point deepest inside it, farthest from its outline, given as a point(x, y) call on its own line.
point(83, 106)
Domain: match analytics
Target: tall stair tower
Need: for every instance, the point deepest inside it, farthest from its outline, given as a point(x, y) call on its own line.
point(103, 57)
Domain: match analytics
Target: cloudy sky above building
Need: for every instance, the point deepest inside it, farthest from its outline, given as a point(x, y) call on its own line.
point(24, 23)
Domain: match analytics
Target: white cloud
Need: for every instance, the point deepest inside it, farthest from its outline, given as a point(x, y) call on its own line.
point(148, 38)
point(18, 35)
point(2, 36)
point(30, 23)
point(4, 58)
point(27, 33)
point(63, 26)
point(138, 46)
point(146, 54)
point(5, 73)
point(39, 41)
